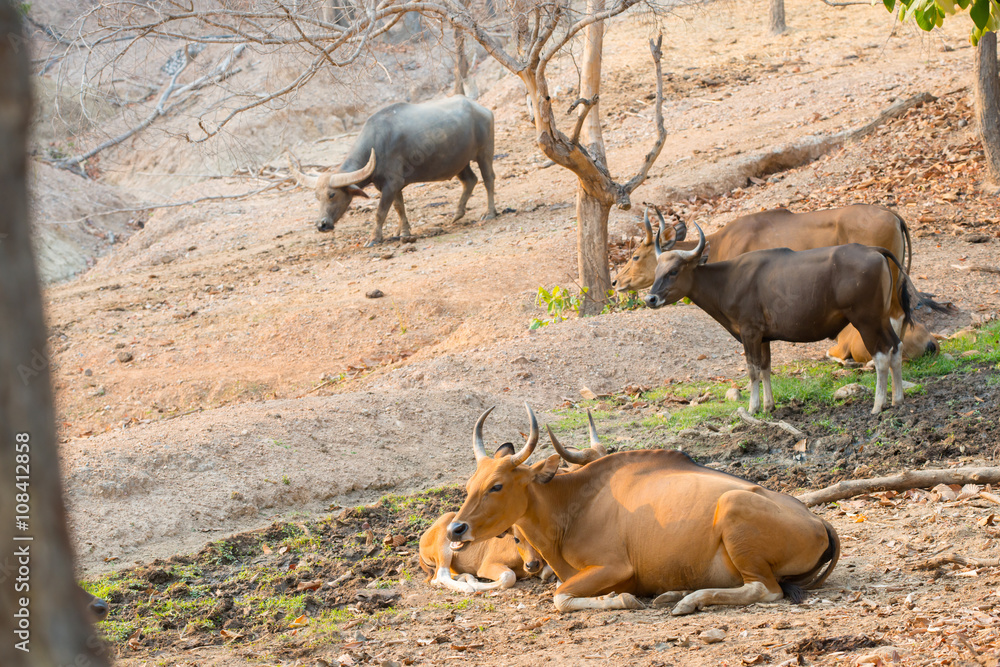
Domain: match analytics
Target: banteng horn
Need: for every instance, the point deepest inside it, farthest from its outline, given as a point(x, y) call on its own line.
point(688, 255)
point(529, 446)
point(477, 437)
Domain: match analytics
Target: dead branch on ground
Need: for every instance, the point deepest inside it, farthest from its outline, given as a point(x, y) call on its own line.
point(742, 413)
point(950, 558)
point(908, 479)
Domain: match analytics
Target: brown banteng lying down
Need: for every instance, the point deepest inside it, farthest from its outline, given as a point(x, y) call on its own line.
point(799, 296)
point(780, 228)
point(917, 341)
point(648, 523)
point(409, 143)
point(504, 559)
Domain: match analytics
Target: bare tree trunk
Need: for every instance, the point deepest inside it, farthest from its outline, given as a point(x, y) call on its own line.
point(42, 619)
point(592, 250)
point(592, 213)
point(776, 18)
point(988, 103)
point(461, 63)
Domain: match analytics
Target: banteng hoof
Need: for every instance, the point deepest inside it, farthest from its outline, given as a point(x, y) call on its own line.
point(667, 599)
point(373, 242)
point(629, 601)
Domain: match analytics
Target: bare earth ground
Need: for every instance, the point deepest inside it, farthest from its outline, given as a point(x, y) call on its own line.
point(223, 366)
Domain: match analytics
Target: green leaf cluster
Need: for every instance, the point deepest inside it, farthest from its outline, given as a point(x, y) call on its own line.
point(930, 14)
point(559, 303)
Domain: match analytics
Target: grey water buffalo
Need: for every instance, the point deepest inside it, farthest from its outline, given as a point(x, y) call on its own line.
point(798, 296)
point(780, 228)
point(409, 143)
point(647, 523)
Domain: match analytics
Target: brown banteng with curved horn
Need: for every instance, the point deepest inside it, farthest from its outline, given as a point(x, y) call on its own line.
point(869, 225)
point(650, 523)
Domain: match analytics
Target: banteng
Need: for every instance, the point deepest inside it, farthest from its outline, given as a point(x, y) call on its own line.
point(802, 296)
point(780, 228)
point(647, 523)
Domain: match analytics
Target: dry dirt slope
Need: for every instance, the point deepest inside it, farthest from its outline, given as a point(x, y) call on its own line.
point(242, 309)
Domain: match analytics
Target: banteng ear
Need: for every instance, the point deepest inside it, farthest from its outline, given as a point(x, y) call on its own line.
point(544, 471)
point(704, 256)
point(355, 191)
point(506, 449)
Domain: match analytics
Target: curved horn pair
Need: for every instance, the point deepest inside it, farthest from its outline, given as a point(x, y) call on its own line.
point(685, 255)
point(343, 179)
point(517, 459)
point(580, 457)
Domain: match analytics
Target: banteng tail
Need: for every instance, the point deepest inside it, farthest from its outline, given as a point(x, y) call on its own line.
point(907, 243)
point(907, 290)
point(795, 587)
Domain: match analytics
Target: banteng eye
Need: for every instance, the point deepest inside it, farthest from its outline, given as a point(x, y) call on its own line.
point(517, 541)
point(495, 488)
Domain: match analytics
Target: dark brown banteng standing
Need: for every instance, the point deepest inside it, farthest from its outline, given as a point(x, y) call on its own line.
point(799, 296)
point(409, 143)
point(648, 523)
point(780, 228)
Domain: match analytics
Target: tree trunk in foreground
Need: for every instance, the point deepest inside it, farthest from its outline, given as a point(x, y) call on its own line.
point(988, 103)
point(776, 17)
point(591, 213)
point(42, 619)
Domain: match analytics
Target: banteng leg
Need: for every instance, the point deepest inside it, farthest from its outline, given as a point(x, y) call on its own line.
point(595, 580)
point(896, 364)
point(765, 372)
point(468, 178)
point(443, 574)
point(404, 224)
point(759, 537)
point(752, 350)
point(502, 576)
point(485, 162)
point(885, 345)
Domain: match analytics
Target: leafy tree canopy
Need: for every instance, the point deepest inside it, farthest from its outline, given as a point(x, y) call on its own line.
point(930, 14)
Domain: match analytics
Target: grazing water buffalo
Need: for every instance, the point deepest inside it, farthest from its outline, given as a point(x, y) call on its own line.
point(647, 523)
point(798, 296)
point(780, 228)
point(409, 143)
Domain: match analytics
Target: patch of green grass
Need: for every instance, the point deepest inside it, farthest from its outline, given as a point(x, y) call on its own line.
point(464, 603)
point(718, 409)
point(575, 419)
point(117, 631)
point(813, 383)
